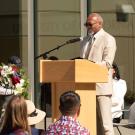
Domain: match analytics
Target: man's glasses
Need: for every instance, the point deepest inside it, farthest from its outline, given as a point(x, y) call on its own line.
point(87, 24)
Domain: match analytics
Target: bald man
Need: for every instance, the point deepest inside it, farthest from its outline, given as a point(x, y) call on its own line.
point(100, 47)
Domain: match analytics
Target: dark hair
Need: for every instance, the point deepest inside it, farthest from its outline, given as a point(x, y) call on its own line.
point(69, 103)
point(15, 60)
point(53, 58)
point(116, 75)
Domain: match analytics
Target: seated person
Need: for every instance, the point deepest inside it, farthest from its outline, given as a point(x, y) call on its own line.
point(15, 120)
point(34, 116)
point(15, 60)
point(68, 124)
point(119, 91)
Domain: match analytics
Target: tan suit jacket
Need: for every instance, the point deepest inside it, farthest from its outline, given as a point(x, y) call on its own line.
point(102, 52)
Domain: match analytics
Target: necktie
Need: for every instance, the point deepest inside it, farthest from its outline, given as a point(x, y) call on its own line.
point(89, 44)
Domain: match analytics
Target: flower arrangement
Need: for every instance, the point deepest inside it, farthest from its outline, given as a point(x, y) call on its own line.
point(13, 80)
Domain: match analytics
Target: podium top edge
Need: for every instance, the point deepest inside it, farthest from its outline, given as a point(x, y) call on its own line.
point(69, 60)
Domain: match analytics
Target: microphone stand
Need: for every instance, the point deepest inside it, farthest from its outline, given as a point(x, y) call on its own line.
point(44, 55)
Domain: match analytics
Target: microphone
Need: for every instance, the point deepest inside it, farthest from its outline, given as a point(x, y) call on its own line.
point(74, 40)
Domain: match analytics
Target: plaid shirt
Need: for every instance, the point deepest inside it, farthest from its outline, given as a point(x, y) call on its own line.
point(66, 126)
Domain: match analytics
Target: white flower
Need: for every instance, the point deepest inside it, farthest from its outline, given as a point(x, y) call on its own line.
point(3, 84)
point(16, 92)
point(22, 82)
point(5, 67)
point(3, 73)
point(6, 71)
point(19, 87)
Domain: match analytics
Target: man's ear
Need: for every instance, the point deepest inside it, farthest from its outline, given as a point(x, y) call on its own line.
point(78, 112)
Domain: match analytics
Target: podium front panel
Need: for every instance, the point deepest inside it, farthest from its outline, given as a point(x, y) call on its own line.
point(87, 94)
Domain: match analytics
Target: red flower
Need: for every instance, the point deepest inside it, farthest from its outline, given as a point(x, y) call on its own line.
point(15, 68)
point(15, 80)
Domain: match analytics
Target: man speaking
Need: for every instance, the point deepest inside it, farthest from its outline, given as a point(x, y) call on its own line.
point(99, 46)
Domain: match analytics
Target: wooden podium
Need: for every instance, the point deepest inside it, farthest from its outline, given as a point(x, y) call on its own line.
point(80, 76)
